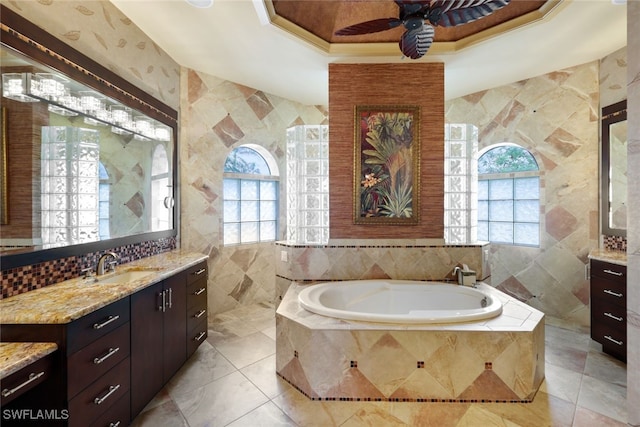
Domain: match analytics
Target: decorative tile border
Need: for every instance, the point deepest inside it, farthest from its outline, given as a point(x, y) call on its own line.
point(35, 276)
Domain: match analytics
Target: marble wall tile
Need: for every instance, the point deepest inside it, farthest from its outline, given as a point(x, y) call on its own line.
point(555, 116)
point(633, 232)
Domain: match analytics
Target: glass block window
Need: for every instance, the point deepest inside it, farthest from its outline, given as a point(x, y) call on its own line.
point(104, 196)
point(161, 194)
point(307, 178)
point(508, 196)
point(250, 193)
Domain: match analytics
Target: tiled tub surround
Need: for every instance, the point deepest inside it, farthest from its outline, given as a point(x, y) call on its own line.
point(35, 276)
point(72, 299)
point(353, 259)
point(500, 359)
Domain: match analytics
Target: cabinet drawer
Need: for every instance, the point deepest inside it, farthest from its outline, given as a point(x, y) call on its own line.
point(611, 316)
point(197, 313)
point(94, 325)
point(118, 415)
point(100, 396)
point(18, 383)
point(608, 291)
point(196, 272)
point(615, 272)
point(613, 341)
point(196, 336)
point(96, 359)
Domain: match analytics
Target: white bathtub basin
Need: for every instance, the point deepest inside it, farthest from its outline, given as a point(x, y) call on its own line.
point(399, 301)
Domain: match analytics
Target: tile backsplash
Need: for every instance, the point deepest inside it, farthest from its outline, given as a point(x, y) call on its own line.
point(614, 243)
point(30, 277)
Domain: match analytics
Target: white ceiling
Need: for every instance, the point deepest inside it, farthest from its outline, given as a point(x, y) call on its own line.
point(234, 40)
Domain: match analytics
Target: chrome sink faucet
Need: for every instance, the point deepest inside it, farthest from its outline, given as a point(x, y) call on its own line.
point(104, 266)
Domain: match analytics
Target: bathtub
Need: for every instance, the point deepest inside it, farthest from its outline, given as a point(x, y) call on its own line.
point(399, 301)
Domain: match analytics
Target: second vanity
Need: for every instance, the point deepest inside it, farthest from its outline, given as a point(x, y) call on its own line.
point(608, 279)
point(119, 339)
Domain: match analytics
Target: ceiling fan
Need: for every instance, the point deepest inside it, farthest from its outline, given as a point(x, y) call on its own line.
point(420, 16)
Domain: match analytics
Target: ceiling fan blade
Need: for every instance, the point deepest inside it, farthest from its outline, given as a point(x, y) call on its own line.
point(415, 43)
point(367, 27)
point(460, 12)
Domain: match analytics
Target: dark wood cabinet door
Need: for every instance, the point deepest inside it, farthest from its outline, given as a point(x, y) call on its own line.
point(146, 346)
point(175, 325)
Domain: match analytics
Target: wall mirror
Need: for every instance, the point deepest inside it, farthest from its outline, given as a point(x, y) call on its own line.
point(88, 160)
point(613, 174)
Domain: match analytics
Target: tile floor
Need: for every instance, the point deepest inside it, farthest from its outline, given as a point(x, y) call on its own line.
point(231, 381)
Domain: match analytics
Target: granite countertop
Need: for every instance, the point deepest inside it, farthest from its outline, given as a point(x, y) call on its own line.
point(614, 257)
point(69, 300)
point(16, 355)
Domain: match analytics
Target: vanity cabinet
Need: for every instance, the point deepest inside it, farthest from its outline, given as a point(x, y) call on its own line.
point(609, 307)
point(111, 362)
point(91, 376)
point(158, 338)
point(25, 380)
point(196, 306)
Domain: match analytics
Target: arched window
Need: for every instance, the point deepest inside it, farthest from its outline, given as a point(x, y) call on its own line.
point(508, 196)
point(250, 196)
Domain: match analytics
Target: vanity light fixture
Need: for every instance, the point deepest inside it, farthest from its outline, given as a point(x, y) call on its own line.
point(97, 109)
point(14, 87)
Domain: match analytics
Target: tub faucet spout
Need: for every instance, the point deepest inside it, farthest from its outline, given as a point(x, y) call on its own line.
point(466, 277)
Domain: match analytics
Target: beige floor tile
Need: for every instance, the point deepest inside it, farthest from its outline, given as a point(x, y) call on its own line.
point(604, 367)
point(263, 375)
point(246, 350)
point(166, 414)
point(587, 418)
point(206, 365)
point(220, 402)
point(604, 398)
point(562, 383)
point(267, 415)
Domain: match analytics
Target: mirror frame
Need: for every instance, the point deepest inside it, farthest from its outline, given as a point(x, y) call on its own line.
point(26, 38)
point(610, 114)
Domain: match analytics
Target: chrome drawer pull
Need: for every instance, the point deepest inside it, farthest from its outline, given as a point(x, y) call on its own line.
point(170, 297)
point(613, 341)
point(111, 352)
point(200, 335)
point(116, 424)
point(199, 272)
point(619, 319)
point(32, 377)
point(109, 320)
point(615, 273)
point(615, 294)
point(199, 291)
point(112, 389)
point(199, 314)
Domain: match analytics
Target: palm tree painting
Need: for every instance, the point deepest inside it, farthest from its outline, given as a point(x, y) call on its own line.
point(387, 152)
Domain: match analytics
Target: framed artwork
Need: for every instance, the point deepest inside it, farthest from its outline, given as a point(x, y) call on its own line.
point(387, 165)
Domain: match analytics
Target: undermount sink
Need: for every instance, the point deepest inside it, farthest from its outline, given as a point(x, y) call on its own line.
point(125, 276)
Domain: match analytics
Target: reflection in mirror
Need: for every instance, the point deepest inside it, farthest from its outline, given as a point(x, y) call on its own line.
point(618, 175)
point(90, 158)
point(614, 169)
